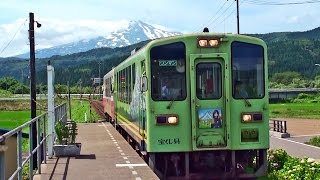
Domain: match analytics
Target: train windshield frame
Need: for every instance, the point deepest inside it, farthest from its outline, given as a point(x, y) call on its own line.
point(168, 72)
point(248, 72)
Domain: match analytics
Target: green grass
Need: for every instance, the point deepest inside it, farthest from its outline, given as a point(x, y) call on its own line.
point(13, 119)
point(315, 141)
point(78, 110)
point(205, 124)
point(295, 110)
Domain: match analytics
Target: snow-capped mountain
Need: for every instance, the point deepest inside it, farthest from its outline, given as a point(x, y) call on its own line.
point(136, 31)
point(206, 116)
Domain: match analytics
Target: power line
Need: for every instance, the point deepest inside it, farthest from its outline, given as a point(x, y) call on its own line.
point(5, 47)
point(227, 17)
point(220, 8)
point(222, 13)
point(259, 2)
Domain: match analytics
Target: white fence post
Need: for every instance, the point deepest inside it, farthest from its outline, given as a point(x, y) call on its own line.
point(51, 115)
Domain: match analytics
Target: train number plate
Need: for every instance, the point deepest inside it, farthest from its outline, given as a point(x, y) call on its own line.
point(169, 141)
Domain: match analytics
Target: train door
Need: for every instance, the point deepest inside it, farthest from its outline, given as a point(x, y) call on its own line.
point(207, 101)
point(142, 103)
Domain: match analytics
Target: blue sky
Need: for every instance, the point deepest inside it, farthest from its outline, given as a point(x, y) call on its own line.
point(65, 21)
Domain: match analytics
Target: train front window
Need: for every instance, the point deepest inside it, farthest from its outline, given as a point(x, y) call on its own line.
point(208, 80)
point(168, 72)
point(247, 71)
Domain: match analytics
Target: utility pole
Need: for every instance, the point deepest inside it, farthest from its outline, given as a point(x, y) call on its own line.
point(22, 82)
point(33, 92)
point(99, 80)
point(69, 100)
point(238, 24)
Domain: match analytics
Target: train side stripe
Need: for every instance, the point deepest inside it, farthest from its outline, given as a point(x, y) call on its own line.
point(132, 130)
point(129, 122)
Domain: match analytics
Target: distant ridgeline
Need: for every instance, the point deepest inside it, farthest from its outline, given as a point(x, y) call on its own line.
point(288, 51)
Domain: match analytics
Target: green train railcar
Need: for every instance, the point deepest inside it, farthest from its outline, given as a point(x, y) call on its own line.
point(196, 105)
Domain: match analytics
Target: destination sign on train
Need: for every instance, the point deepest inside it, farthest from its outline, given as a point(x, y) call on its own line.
point(167, 62)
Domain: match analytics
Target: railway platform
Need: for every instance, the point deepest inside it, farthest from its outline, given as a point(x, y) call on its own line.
point(104, 155)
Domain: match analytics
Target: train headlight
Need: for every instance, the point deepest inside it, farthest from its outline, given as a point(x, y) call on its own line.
point(202, 42)
point(246, 117)
point(251, 117)
point(213, 42)
point(172, 120)
point(208, 42)
point(167, 119)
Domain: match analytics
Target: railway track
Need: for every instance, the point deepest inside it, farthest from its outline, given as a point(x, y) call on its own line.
point(98, 107)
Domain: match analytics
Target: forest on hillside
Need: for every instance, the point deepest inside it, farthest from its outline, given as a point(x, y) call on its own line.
point(296, 52)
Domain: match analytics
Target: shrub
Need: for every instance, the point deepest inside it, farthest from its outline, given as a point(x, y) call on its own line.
point(315, 141)
point(283, 166)
point(276, 159)
point(305, 96)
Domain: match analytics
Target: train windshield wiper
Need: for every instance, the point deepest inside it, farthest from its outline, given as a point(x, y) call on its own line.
point(171, 102)
point(248, 104)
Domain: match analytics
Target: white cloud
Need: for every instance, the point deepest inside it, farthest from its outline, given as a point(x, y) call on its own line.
point(293, 19)
point(68, 21)
point(54, 32)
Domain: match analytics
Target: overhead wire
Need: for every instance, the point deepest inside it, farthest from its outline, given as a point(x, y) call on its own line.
point(269, 3)
point(6, 46)
point(222, 13)
point(215, 14)
point(227, 17)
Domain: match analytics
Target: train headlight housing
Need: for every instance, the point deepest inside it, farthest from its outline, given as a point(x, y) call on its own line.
point(208, 42)
point(172, 120)
point(202, 42)
point(246, 117)
point(167, 119)
point(251, 117)
point(213, 42)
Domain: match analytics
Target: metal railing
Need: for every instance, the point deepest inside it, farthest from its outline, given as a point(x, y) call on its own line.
point(278, 126)
point(41, 126)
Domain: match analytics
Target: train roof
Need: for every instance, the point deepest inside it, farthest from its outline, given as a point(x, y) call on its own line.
point(109, 74)
point(154, 42)
point(221, 35)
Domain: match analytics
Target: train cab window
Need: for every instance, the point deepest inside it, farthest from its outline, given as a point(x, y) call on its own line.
point(208, 80)
point(168, 72)
point(247, 71)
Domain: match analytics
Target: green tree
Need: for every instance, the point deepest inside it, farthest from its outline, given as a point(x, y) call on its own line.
point(13, 85)
point(61, 89)
point(19, 89)
point(285, 77)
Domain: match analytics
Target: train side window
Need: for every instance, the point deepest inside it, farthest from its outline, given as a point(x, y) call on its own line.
point(111, 88)
point(144, 84)
point(129, 83)
point(133, 76)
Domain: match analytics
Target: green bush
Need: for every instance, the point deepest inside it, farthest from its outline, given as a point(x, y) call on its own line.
point(276, 159)
point(282, 166)
point(4, 93)
point(315, 141)
point(305, 96)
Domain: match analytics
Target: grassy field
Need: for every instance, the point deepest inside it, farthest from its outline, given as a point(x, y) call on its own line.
point(295, 110)
point(81, 107)
point(12, 119)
